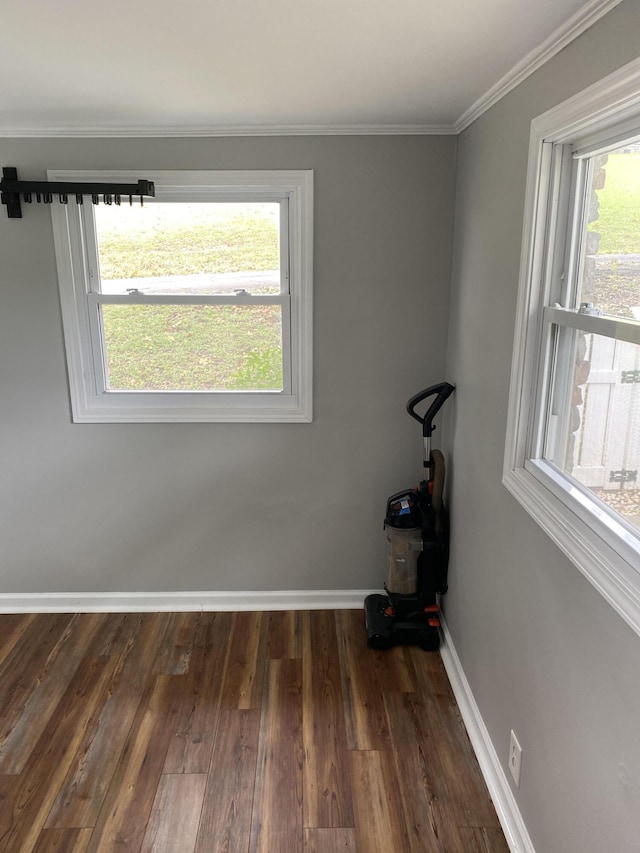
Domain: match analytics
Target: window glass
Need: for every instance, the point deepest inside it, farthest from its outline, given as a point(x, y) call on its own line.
point(189, 248)
point(162, 347)
point(611, 271)
point(593, 431)
point(175, 250)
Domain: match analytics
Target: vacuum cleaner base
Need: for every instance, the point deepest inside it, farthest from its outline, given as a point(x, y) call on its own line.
point(407, 625)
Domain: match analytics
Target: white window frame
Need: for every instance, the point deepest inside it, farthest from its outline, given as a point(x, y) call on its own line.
point(75, 245)
point(603, 547)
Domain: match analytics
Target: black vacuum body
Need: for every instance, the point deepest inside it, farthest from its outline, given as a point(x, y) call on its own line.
point(417, 528)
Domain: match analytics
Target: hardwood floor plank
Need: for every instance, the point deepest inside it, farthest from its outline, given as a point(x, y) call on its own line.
point(365, 719)
point(19, 670)
point(40, 781)
point(327, 778)
point(467, 797)
point(174, 654)
point(173, 824)
point(12, 628)
point(206, 674)
point(201, 693)
point(277, 809)
point(189, 752)
point(244, 676)
point(423, 791)
point(430, 675)
point(21, 733)
point(284, 641)
point(330, 841)
point(483, 840)
point(125, 811)
point(63, 841)
point(366, 674)
point(438, 724)
point(379, 819)
point(225, 823)
point(8, 796)
point(82, 794)
point(115, 634)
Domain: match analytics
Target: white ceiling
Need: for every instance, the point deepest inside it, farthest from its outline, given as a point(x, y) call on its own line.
point(205, 66)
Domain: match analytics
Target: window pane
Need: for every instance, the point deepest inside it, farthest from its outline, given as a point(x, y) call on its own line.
point(611, 274)
point(195, 248)
point(193, 347)
point(596, 414)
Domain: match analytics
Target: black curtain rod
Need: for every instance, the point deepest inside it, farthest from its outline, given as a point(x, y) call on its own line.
point(11, 189)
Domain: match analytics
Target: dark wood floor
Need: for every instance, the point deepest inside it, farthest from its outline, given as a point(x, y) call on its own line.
point(263, 732)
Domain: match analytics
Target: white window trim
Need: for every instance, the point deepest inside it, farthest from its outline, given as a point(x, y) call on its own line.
point(597, 545)
point(291, 406)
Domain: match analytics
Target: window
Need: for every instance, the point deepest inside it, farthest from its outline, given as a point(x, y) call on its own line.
point(195, 306)
point(573, 443)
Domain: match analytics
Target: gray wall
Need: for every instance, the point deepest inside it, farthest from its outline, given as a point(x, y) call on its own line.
point(544, 654)
point(218, 506)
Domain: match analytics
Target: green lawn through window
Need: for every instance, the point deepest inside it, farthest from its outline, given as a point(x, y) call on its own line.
point(190, 347)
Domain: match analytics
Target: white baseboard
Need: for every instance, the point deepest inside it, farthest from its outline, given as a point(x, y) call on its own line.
point(504, 801)
point(139, 602)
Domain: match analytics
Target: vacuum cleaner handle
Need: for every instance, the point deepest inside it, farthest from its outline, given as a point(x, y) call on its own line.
point(443, 391)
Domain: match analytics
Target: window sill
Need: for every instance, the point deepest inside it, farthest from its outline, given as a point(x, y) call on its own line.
point(188, 407)
point(616, 577)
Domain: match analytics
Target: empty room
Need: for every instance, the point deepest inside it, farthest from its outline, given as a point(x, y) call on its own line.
point(320, 427)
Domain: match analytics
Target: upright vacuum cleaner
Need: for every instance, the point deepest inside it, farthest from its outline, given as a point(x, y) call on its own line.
point(417, 527)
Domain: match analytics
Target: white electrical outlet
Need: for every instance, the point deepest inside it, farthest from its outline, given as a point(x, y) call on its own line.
point(515, 758)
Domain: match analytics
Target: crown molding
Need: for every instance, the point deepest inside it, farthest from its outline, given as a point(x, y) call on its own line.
point(147, 131)
point(557, 41)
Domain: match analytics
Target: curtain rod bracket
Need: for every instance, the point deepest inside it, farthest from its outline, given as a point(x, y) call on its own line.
point(11, 189)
